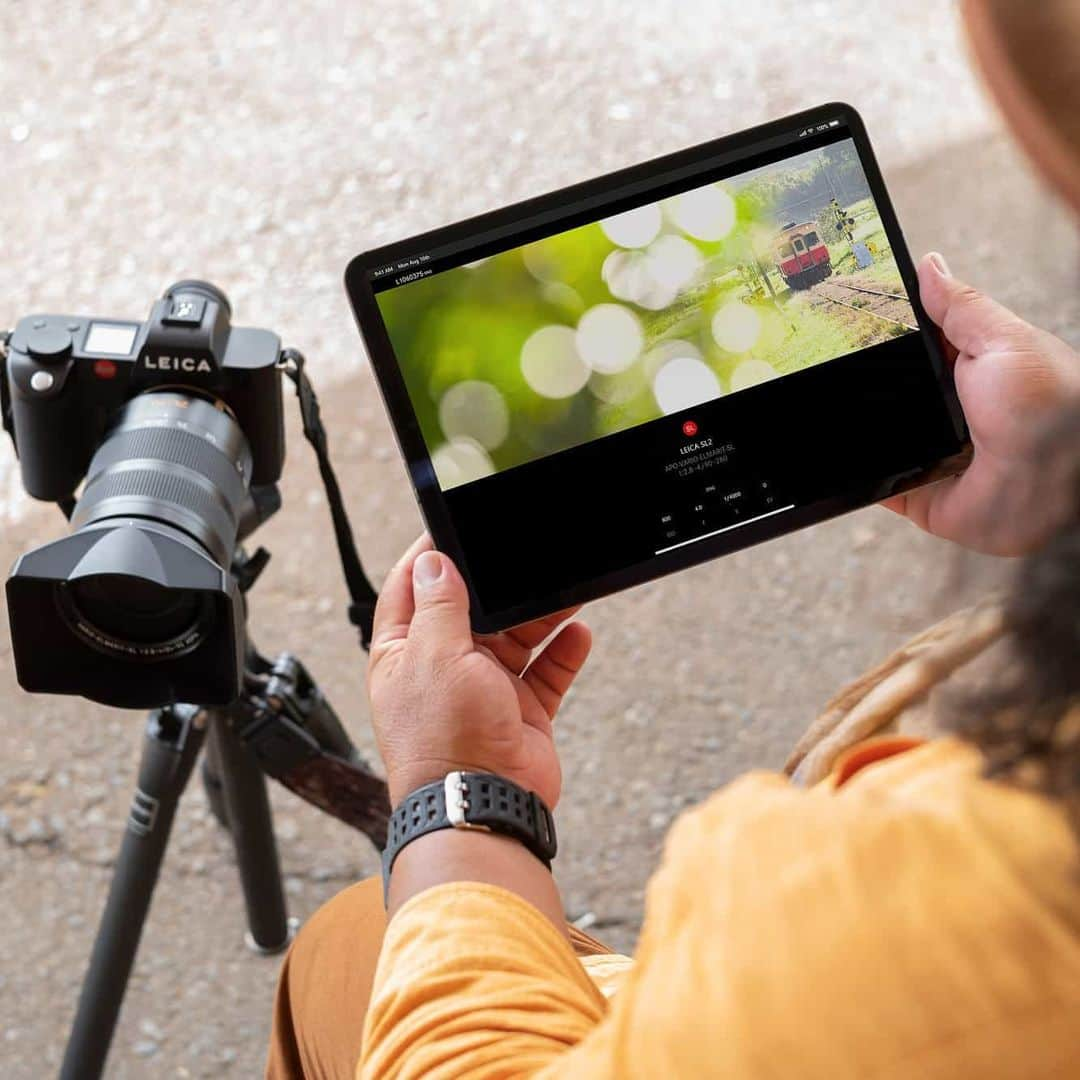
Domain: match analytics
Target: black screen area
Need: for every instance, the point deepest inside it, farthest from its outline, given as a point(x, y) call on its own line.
point(654, 495)
point(650, 369)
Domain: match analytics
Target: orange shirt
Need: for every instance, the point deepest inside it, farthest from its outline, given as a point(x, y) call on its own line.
point(916, 921)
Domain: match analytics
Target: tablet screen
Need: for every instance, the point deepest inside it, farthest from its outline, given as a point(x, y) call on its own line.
point(659, 366)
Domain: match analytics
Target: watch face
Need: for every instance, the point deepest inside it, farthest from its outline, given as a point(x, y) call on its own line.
point(659, 366)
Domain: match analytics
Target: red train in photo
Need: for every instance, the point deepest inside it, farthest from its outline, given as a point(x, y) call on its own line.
point(801, 255)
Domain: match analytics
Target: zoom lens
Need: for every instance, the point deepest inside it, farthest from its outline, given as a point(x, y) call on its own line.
point(175, 462)
point(175, 459)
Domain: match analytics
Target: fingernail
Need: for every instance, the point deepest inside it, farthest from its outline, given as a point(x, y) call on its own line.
point(939, 264)
point(427, 569)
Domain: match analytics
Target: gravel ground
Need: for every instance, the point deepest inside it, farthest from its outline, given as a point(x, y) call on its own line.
point(261, 149)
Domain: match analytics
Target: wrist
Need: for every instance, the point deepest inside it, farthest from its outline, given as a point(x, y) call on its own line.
point(450, 855)
point(470, 803)
point(404, 780)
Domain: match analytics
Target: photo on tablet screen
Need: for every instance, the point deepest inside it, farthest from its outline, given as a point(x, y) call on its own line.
point(671, 304)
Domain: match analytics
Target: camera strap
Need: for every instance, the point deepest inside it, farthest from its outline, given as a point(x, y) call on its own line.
point(362, 595)
point(297, 738)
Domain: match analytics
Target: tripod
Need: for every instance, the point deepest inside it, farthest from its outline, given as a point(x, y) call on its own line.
point(281, 725)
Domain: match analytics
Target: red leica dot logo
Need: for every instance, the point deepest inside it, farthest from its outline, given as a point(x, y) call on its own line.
point(689, 429)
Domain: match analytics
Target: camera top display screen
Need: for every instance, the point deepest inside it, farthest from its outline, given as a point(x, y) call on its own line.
point(113, 339)
point(658, 366)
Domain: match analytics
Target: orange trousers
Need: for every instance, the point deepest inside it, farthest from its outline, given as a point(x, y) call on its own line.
point(325, 985)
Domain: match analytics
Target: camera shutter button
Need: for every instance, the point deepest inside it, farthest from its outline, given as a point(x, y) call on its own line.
point(41, 381)
point(48, 344)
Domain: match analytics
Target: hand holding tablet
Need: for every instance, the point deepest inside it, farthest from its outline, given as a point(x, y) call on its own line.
point(659, 366)
point(1016, 383)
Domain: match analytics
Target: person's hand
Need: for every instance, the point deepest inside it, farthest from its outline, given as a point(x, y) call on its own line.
point(1015, 382)
point(442, 699)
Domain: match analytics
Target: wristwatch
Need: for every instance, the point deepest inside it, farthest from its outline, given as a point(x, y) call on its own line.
point(469, 800)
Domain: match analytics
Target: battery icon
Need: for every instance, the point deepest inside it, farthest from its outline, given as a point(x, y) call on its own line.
point(834, 123)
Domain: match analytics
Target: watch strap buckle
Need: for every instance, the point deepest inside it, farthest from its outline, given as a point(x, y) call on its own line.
point(456, 798)
point(544, 828)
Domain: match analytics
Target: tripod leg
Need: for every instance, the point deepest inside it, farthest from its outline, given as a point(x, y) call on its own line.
point(211, 778)
point(170, 747)
point(247, 806)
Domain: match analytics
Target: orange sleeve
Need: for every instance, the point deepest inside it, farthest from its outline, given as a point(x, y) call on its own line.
point(905, 924)
point(474, 982)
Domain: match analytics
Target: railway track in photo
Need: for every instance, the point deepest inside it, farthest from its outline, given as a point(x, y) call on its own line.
point(865, 300)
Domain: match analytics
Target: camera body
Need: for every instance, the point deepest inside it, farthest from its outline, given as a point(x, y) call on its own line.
point(67, 377)
point(177, 426)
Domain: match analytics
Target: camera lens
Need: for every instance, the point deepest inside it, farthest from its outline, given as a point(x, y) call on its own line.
point(131, 609)
point(175, 459)
point(173, 463)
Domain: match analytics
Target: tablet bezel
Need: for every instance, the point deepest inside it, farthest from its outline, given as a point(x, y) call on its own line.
point(407, 428)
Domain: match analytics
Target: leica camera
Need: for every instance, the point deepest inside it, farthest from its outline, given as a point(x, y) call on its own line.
point(174, 428)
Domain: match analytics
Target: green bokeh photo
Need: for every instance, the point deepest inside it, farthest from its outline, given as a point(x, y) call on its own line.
point(592, 331)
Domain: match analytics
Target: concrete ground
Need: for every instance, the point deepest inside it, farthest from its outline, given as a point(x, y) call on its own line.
point(262, 147)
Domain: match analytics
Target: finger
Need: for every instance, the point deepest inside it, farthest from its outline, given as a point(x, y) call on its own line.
point(440, 621)
point(971, 322)
point(485, 651)
point(530, 634)
point(514, 647)
point(394, 610)
point(550, 675)
point(933, 508)
point(511, 654)
point(896, 503)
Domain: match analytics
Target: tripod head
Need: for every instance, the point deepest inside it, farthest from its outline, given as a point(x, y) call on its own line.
point(286, 722)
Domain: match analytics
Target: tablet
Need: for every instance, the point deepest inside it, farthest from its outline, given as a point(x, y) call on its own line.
point(659, 366)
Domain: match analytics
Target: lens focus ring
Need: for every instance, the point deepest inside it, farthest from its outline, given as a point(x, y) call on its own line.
point(182, 449)
point(182, 495)
point(174, 459)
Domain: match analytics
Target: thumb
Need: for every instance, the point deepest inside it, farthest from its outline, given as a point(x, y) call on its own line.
point(440, 622)
point(971, 322)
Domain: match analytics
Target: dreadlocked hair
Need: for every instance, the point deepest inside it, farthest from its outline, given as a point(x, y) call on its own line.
point(1028, 724)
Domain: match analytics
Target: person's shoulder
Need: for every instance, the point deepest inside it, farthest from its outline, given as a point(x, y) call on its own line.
point(926, 803)
point(921, 838)
point(916, 901)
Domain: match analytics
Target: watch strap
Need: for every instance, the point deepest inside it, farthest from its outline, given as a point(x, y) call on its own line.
point(468, 800)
